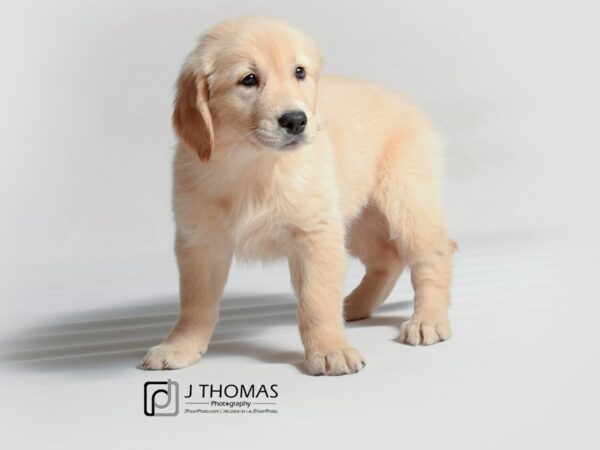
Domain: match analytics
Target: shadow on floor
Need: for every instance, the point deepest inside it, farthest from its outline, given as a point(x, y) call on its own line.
point(119, 337)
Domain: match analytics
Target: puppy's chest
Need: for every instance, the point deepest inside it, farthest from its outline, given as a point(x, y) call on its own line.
point(264, 232)
point(267, 210)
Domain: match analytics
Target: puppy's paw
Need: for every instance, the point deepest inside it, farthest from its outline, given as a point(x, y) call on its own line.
point(356, 309)
point(335, 362)
point(170, 356)
point(424, 330)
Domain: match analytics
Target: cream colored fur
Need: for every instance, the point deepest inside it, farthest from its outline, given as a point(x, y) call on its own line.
point(364, 179)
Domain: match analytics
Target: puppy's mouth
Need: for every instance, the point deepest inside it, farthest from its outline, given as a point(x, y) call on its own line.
point(293, 143)
point(277, 141)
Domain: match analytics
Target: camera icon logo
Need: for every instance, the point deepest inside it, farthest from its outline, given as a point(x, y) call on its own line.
point(161, 398)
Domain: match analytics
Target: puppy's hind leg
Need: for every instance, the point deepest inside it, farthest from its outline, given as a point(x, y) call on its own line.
point(369, 240)
point(408, 195)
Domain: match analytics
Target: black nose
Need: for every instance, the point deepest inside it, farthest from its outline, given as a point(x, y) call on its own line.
point(293, 121)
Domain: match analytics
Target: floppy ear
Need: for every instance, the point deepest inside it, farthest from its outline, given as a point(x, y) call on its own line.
point(191, 117)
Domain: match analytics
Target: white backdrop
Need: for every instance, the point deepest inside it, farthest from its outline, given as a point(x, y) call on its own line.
point(88, 279)
point(86, 92)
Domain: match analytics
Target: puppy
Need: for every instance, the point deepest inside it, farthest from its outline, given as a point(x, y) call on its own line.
point(276, 161)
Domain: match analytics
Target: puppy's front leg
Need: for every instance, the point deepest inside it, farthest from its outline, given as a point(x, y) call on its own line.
point(317, 266)
point(203, 271)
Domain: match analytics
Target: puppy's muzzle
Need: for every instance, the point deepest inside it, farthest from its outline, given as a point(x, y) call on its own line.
point(294, 122)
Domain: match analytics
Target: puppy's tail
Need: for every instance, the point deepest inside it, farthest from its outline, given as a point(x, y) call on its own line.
point(452, 245)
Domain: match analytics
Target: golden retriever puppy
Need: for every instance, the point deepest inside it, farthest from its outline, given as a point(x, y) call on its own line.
point(276, 161)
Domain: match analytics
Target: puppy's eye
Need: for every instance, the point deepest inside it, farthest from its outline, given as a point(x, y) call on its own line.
point(249, 80)
point(300, 73)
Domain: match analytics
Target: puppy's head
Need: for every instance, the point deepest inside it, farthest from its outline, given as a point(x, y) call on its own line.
point(250, 81)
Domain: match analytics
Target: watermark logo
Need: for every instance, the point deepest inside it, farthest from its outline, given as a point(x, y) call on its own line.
point(161, 398)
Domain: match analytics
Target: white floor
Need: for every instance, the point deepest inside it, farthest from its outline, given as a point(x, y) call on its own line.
point(519, 371)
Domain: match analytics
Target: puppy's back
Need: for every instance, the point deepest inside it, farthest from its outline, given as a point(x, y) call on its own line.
point(368, 124)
